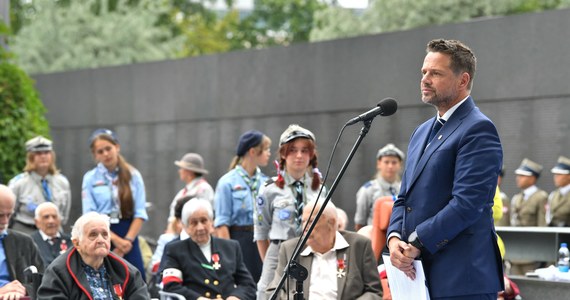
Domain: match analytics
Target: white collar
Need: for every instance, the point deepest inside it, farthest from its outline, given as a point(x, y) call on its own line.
point(565, 189)
point(450, 111)
point(529, 191)
point(339, 243)
point(46, 237)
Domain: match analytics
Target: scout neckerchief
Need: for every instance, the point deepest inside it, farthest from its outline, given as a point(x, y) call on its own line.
point(252, 182)
point(111, 179)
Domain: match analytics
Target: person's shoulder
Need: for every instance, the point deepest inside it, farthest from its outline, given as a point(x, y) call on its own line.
point(61, 178)
point(225, 242)
point(19, 237)
point(368, 184)
point(18, 179)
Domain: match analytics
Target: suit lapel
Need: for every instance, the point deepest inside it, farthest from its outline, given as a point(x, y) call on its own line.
point(446, 131)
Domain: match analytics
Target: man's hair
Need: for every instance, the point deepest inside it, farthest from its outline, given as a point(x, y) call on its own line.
point(43, 206)
point(78, 227)
point(462, 58)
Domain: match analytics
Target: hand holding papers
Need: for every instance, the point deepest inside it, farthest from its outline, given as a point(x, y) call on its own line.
point(401, 286)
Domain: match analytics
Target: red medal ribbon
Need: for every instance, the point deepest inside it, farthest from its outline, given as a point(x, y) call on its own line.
point(340, 264)
point(63, 245)
point(118, 290)
point(215, 257)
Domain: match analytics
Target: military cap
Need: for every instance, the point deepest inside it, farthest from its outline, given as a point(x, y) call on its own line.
point(562, 166)
point(295, 131)
point(529, 168)
point(38, 144)
point(390, 150)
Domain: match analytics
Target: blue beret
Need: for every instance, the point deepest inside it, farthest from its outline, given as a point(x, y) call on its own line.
point(247, 141)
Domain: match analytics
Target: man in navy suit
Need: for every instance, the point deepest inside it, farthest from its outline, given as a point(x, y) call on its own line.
point(443, 213)
point(205, 267)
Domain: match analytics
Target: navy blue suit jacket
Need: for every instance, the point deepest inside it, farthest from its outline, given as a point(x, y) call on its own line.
point(446, 196)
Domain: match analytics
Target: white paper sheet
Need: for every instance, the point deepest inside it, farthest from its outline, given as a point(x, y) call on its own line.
point(402, 287)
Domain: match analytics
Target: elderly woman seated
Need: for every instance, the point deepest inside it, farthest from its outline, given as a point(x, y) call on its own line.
point(89, 270)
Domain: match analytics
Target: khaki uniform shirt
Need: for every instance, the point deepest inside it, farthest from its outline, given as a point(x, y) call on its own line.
point(529, 212)
point(558, 213)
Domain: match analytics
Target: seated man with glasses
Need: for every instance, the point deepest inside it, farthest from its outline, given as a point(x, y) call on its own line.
point(90, 270)
point(17, 252)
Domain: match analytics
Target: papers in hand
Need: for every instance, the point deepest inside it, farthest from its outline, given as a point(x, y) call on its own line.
point(401, 286)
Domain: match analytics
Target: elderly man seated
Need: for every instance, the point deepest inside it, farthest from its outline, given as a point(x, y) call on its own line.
point(89, 270)
point(49, 238)
point(341, 265)
point(17, 252)
point(203, 266)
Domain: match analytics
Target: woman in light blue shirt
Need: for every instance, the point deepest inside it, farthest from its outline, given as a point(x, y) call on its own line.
point(116, 188)
point(235, 194)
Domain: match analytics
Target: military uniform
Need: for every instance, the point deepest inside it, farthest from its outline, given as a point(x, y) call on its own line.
point(529, 207)
point(558, 209)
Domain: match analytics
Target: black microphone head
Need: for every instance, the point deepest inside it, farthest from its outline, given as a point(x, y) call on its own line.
point(389, 107)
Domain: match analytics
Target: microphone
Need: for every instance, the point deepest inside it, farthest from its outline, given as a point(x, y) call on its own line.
point(386, 107)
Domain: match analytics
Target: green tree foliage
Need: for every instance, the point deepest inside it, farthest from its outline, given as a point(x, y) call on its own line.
point(21, 114)
point(202, 30)
point(278, 22)
point(93, 33)
point(392, 15)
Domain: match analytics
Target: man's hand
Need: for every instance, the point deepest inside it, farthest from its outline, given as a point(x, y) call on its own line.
point(401, 256)
point(12, 291)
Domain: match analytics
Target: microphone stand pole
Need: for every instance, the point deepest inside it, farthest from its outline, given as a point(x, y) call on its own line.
point(294, 269)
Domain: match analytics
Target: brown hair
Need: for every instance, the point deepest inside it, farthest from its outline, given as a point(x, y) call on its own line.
point(30, 166)
point(284, 149)
point(125, 193)
point(265, 142)
point(462, 57)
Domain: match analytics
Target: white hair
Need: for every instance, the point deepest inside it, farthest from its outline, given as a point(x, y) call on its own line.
point(43, 206)
point(77, 230)
point(194, 205)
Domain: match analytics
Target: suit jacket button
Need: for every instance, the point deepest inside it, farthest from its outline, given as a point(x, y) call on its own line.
point(207, 294)
point(408, 209)
point(216, 282)
point(207, 281)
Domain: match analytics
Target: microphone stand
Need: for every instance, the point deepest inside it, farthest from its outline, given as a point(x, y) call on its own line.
point(294, 269)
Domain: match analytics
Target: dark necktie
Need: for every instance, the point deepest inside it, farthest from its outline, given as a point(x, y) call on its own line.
point(47, 192)
point(436, 127)
point(299, 201)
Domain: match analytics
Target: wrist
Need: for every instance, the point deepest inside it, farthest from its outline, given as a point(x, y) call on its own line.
point(414, 240)
point(129, 239)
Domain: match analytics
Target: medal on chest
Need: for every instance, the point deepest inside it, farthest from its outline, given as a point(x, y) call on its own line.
point(340, 267)
point(62, 246)
point(216, 261)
